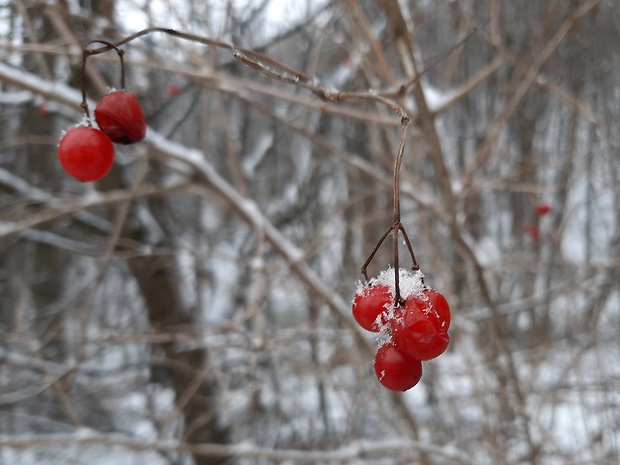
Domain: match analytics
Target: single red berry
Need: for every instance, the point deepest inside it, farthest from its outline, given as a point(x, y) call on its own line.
point(173, 90)
point(542, 209)
point(120, 116)
point(86, 153)
point(395, 370)
point(369, 303)
point(419, 329)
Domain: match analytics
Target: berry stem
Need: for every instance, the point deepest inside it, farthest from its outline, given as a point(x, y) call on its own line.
point(397, 297)
point(84, 103)
point(404, 122)
point(88, 52)
point(414, 266)
point(396, 225)
point(364, 269)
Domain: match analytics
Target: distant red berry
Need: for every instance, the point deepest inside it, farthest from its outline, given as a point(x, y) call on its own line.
point(173, 90)
point(120, 116)
point(369, 303)
point(43, 109)
point(543, 209)
point(395, 370)
point(532, 231)
point(86, 153)
point(419, 329)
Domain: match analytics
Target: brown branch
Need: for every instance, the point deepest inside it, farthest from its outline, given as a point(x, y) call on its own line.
point(8, 229)
point(530, 76)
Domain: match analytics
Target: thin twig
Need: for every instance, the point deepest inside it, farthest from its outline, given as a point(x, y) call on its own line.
point(364, 267)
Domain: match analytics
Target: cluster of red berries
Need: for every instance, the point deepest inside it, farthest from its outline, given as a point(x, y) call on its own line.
point(416, 330)
point(87, 153)
point(531, 229)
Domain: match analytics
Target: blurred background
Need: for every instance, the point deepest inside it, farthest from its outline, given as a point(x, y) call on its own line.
point(193, 307)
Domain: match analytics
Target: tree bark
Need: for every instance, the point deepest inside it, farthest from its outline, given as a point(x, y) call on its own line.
point(196, 392)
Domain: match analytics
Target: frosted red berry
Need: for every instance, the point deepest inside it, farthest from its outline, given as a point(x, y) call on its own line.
point(86, 153)
point(419, 328)
point(395, 370)
point(120, 116)
point(370, 302)
point(413, 330)
point(436, 305)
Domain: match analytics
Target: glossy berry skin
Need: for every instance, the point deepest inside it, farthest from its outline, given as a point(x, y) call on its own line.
point(369, 303)
point(86, 153)
point(120, 116)
point(437, 306)
point(395, 370)
point(419, 329)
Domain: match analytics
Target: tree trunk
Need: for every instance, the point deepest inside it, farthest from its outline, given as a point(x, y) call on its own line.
point(186, 370)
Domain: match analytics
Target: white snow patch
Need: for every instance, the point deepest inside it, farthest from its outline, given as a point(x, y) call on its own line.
point(410, 282)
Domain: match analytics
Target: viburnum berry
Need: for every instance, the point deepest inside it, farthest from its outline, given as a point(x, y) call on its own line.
point(120, 116)
point(86, 153)
point(395, 370)
point(437, 307)
point(173, 90)
point(419, 328)
point(542, 209)
point(532, 231)
point(369, 303)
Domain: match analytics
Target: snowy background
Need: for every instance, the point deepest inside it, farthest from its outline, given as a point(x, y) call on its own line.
point(193, 307)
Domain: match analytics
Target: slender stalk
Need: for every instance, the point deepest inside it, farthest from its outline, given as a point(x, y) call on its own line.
point(374, 251)
point(397, 297)
point(404, 121)
point(86, 53)
point(84, 103)
point(414, 266)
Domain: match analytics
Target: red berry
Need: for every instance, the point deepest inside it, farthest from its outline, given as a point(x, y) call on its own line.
point(86, 153)
point(369, 303)
point(543, 209)
point(437, 305)
point(532, 231)
point(419, 329)
point(120, 116)
point(396, 371)
point(173, 90)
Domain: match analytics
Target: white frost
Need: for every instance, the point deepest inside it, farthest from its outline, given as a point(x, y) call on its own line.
point(410, 282)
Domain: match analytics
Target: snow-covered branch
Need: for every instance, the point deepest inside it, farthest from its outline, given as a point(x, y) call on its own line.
point(358, 450)
point(198, 161)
